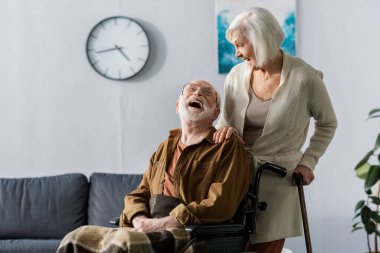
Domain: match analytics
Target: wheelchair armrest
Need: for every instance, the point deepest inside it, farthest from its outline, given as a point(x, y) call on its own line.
point(214, 229)
point(115, 221)
point(203, 229)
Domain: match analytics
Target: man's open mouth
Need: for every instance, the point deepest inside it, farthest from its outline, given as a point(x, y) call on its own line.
point(196, 104)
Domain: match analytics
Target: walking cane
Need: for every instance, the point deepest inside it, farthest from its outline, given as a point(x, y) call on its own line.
point(298, 179)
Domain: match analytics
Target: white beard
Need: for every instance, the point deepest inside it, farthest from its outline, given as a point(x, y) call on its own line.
point(195, 115)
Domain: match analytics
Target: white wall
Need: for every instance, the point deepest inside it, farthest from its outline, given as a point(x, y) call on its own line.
point(58, 116)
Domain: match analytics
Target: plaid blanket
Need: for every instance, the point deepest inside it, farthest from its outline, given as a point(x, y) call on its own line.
point(95, 239)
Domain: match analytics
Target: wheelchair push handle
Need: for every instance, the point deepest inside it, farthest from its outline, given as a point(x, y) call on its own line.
point(281, 171)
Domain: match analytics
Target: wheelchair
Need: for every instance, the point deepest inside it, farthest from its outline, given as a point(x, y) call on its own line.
point(230, 237)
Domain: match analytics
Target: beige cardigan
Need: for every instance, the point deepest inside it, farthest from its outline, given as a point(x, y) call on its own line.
point(301, 95)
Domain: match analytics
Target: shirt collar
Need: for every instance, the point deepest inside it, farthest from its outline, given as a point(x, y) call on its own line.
point(210, 135)
point(176, 133)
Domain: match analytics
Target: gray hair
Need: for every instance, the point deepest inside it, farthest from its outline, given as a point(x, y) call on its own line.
point(262, 30)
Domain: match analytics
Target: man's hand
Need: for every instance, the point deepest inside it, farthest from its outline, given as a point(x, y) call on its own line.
point(143, 224)
point(136, 221)
point(307, 174)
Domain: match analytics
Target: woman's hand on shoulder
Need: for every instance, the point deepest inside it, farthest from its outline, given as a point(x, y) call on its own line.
point(307, 174)
point(225, 133)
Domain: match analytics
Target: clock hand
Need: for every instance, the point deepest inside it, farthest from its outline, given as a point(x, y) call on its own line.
point(122, 52)
point(107, 50)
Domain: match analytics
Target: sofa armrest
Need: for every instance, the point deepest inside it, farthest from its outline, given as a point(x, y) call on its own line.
point(115, 221)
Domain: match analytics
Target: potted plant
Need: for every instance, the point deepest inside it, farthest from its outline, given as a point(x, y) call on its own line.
point(367, 211)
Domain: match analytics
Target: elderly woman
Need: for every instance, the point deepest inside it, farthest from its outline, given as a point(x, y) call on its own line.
point(269, 100)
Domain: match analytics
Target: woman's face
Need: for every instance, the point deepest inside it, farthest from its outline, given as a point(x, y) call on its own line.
point(243, 47)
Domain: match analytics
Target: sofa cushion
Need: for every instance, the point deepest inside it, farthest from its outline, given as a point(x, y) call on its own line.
point(29, 246)
point(44, 207)
point(107, 192)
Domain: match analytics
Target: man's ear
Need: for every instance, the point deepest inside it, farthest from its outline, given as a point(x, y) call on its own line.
point(216, 113)
point(177, 106)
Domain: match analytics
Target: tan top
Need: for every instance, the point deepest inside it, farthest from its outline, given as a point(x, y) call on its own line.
point(168, 183)
point(208, 177)
point(300, 96)
point(255, 117)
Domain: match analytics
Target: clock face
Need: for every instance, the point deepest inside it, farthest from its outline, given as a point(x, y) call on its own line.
point(118, 48)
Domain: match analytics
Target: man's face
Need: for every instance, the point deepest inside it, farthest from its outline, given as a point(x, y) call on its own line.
point(198, 102)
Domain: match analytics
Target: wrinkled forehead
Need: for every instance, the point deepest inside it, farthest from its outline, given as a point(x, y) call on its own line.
point(200, 83)
point(238, 35)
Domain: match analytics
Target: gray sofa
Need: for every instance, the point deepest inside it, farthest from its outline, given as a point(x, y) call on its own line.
point(36, 213)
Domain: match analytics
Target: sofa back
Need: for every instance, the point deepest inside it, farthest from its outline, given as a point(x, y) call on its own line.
point(44, 207)
point(107, 192)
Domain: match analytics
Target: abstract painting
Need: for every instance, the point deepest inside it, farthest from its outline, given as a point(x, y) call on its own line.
point(226, 10)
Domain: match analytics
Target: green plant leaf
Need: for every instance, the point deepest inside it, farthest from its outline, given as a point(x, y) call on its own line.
point(375, 216)
point(377, 143)
point(370, 227)
point(359, 205)
point(375, 200)
point(365, 214)
point(369, 192)
point(362, 171)
point(356, 224)
point(372, 177)
point(365, 159)
point(356, 216)
point(377, 233)
point(355, 229)
point(374, 113)
point(378, 158)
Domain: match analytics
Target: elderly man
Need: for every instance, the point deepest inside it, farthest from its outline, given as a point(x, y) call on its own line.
point(190, 179)
point(207, 179)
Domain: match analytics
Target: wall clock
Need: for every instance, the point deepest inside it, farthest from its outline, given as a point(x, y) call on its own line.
point(118, 48)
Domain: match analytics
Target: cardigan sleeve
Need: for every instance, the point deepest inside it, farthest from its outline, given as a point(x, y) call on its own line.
point(323, 113)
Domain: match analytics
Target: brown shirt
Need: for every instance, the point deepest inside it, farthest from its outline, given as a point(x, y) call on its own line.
point(168, 183)
point(210, 180)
